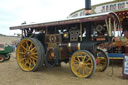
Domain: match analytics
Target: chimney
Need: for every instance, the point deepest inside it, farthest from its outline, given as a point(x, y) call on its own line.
point(88, 8)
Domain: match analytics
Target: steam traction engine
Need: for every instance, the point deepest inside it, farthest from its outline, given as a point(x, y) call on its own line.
point(73, 40)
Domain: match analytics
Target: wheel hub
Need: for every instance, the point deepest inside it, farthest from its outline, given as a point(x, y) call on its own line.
point(28, 53)
point(81, 64)
point(0, 58)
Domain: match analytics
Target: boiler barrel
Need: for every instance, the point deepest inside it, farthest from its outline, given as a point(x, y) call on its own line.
point(71, 47)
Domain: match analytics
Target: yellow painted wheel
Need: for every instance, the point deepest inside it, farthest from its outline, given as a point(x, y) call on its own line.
point(82, 64)
point(102, 61)
point(30, 54)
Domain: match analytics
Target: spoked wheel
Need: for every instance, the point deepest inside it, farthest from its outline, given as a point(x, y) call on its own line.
point(102, 61)
point(2, 58)
point(82, 64)
point(30, 53)
point(51, 57)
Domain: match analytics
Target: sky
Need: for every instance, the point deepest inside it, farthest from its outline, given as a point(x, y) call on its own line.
point(15, 12)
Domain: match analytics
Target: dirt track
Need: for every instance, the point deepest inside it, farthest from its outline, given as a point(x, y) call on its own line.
point(11, 74)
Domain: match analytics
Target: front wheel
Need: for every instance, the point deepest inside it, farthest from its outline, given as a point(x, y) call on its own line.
point(82, 64)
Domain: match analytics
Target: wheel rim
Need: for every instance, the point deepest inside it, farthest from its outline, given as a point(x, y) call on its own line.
point(1, 58)
point(101, 61)
point(27, 55)
point(82, 64)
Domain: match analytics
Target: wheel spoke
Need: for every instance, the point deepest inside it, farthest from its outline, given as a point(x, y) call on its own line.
point(79, 69)
point(30, 60)
point(83, 59)
point(22, 59)
point(30, 46)
point(75, 65)
point(87, 70)
point(22, 53)
point(27, 44)
point(88, 64)
point(30, 64)
point(33, 54)
point(34, 63)
point(32, 50)
point(87, 60)
point(25, 64)
point(76, 61)
point(23, 47)
point(102, 63)
point(83, 71)
point(78, 58)
point(34, 58)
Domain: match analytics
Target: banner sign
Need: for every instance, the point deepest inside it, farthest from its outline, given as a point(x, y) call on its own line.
point(77, 14)
point(102, 9)
point(125, 67)
point(111, 7)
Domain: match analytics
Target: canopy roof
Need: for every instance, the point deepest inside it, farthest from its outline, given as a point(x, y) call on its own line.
point(93, 17)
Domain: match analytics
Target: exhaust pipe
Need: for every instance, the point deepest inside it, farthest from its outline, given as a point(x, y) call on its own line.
point(88, 8)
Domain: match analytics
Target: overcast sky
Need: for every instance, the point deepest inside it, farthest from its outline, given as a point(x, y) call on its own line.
point(14, 12)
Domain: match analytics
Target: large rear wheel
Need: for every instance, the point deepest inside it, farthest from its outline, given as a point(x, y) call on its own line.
point(82, 64)
point(102, 61)
point(30, 53)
